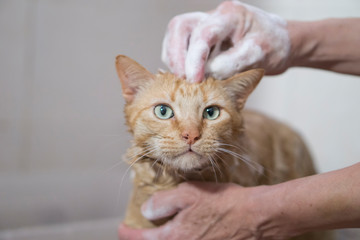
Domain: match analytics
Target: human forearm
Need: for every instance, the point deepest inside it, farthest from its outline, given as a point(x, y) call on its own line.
point(324, 201)
point(331, 44)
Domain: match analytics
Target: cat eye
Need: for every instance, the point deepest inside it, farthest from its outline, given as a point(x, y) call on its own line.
point(211, 113)
point(163, 111)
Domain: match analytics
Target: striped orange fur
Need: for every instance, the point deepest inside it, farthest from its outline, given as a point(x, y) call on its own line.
point(237, 146)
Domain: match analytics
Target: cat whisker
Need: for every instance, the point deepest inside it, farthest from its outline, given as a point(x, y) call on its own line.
point(114, 166)
point(214, 165)
point(234, 146)
point(254, 165)
point(159, 170)
point(217, 165)
point(141, 156)
point(222, 160)
point(100, 150)
point(132, 164)
point(142, 152)
point(152, 165)
point(251, 164)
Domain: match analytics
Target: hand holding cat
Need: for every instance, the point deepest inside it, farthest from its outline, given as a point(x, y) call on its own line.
point(232, 38)
point(204, 211)
point(228, 211)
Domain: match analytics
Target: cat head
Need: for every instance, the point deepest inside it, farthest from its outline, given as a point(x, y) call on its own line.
point(183, 125)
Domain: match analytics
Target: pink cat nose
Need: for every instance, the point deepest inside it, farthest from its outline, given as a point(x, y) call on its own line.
point(190, 137)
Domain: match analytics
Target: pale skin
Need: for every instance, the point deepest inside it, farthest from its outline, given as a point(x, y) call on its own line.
point(228, 211)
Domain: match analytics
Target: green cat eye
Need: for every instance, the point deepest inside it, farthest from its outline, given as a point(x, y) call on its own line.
point(163, 111)
point(211, 113)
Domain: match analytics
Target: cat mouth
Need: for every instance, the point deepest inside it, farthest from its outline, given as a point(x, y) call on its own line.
point(189, 152)
point(188, 160)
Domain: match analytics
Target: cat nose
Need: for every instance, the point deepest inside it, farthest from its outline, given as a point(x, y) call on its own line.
point(190, 136)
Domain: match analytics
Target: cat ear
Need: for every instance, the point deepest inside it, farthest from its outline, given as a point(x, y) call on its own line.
point(132, 76)
point(242, 84)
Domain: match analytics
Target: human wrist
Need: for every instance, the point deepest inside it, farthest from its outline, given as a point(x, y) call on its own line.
point(275, 221)
point(304, 42)
point(325, 44)
point(268, 216)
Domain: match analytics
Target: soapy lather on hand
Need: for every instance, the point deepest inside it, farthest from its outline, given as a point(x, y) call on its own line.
point(232, 38)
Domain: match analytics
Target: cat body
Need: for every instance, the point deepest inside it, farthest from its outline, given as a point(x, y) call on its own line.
point(200, 132)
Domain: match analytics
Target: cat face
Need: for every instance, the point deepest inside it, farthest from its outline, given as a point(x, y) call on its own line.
point(180, 124)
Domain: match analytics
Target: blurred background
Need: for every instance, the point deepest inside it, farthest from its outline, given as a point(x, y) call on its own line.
point(62, 132)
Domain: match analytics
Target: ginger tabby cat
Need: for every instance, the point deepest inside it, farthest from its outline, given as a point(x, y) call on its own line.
point(200, 132)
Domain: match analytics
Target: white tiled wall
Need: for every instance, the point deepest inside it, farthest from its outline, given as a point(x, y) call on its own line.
point(61, 123)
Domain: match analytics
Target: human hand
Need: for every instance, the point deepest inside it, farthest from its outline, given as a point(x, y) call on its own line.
point(232, 38)
point(204, 211)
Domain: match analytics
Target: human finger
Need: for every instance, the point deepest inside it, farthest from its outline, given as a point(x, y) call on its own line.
point(176, 40)
point(211, 31)
point(167, 203)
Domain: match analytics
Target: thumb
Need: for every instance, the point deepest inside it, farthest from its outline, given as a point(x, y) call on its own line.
point(167, 203)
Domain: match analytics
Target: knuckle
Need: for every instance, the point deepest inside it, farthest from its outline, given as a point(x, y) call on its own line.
point(175, 21)
point(230, 6)
point(205, 35)
point(226, 4)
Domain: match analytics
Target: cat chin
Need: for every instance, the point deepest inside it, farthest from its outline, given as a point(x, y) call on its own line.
point(187, 162)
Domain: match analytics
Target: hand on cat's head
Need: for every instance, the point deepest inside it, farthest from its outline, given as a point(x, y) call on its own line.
point(232, 38)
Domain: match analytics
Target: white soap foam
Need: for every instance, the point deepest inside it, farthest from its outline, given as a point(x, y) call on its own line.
point(174, 47)
point(229, 63)
point(247, 52)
